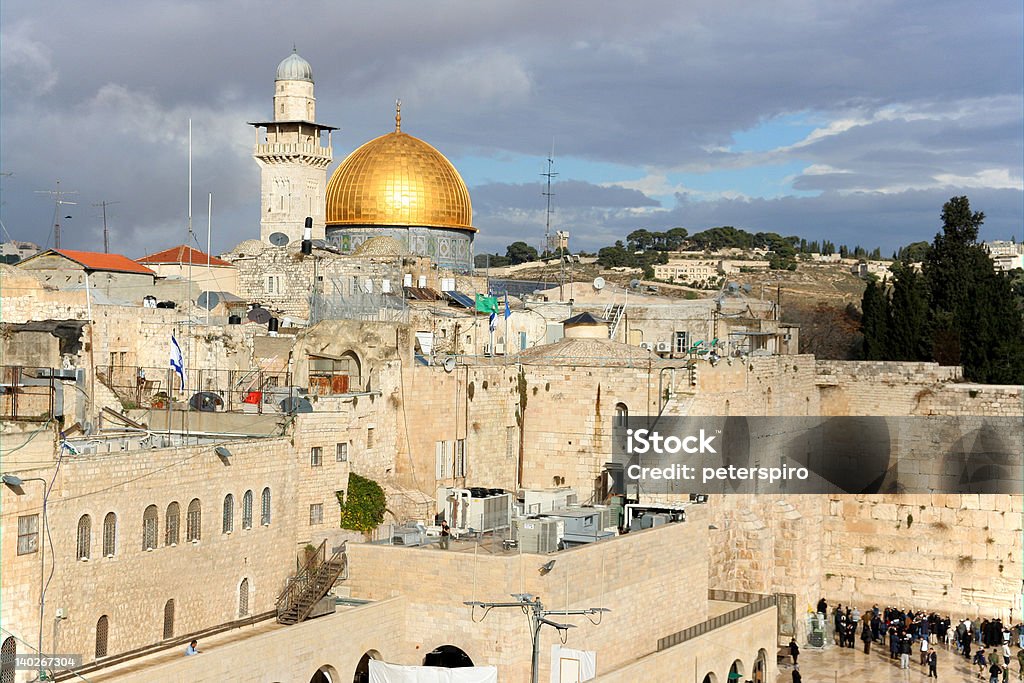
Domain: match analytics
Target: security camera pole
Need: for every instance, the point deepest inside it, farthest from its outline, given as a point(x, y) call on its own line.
point(534, 609)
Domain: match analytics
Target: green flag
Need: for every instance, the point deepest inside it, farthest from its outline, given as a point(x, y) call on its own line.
point(486, 304)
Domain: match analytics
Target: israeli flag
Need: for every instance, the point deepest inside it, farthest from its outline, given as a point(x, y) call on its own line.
point(177, 360)
point(508, 311)
point(493, 321)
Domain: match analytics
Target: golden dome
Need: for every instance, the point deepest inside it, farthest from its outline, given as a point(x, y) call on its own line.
point(398, 179)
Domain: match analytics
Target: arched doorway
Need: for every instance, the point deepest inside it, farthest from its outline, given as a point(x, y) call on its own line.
point(362, 674)
point(709, 678)
point(761, 667)
point(447, 657)
point(736, 671)
point(325, 674)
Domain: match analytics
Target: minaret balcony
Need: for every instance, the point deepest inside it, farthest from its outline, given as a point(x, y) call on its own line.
point(291, 149)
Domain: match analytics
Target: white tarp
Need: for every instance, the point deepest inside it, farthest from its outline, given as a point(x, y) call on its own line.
point(572, 666)
point(426, 340)
point(382, 672)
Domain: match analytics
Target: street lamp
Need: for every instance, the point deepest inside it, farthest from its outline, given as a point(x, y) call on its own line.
point(534, 609)
point(15, 483)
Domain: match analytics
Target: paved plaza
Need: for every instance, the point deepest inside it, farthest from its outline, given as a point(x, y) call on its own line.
point(836, 664)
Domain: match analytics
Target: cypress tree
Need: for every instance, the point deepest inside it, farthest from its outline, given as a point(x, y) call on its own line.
point(908, 316)
point(875, 322)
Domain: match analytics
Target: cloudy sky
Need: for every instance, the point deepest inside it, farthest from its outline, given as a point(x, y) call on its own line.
point(851, 121)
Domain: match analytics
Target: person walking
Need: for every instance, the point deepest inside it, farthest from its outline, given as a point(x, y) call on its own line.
point(994, 673)
point(794, 650)
point(865, 635)
point(1020, 661)
point(924, 651)
point(797, 678)
point(905, 647)
point(446, 534)
point(933, 662)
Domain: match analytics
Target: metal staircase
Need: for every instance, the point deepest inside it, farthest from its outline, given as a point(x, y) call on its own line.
point(613, 314)
point(312, 583)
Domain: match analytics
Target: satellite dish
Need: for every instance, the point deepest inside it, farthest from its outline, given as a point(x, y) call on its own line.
point(634, 283)
point(296, 404)
point(599, 283)
point(209, 300)
point(258, 315)
point(278, 239)
point(449, 364)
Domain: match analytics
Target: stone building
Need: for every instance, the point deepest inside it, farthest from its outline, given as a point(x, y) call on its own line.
point(207, 273)
point(116, 276)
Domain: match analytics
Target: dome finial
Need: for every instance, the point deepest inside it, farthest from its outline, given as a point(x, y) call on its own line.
point(398, 116)
point(294, 48)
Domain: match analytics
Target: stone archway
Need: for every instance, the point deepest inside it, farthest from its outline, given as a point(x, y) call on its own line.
point(709, 677)
point(362, 673)
point(447, 657)
point(736, 671)
point(761, 667)
point(325, 674)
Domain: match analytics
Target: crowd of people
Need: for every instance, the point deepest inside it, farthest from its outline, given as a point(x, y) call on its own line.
point(909, 632)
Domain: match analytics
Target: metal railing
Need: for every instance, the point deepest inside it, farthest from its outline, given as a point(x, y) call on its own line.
point(239, 390)
point(299, 583)
point(26, 393)
point(765, 602)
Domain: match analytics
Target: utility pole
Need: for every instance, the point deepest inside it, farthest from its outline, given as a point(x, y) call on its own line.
point(106, 239)
point(58, 199)
point(534, 609)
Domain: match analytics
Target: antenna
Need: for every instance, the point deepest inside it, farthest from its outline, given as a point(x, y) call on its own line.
point(548, 194)
point(58, 201)
point(106, 239)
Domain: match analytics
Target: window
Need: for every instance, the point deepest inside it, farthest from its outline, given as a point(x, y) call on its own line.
point(265, 507)
point(172, 521)
point(228, 524)
point(442, 460)
point(341, 452)
point(511, 442)
point(275, 284)
point(247, 510)
point(28, 534)
point(150, 527)
point(109, 535)
point(169, 619)
point(329, 376)
point(243, 598)
point(194, 521)
point(621, 414)
point(369, 437)
point(460, 458)
point(84, 549)
point(8, 651)
point(102, 631)
point(316, 456)
point(316, 513)
point(680, 342)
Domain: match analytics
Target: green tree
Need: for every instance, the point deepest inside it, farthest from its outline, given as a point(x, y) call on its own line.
point(874, 322)
point(908, 316)
point(364, 507)
point(520, 252)
point(915, 252)
point(490, 261)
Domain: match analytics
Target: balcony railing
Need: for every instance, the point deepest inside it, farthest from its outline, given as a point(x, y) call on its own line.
point(759, 605)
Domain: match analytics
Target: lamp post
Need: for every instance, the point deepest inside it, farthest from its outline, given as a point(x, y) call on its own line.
point(534, 609)
point(15, 483)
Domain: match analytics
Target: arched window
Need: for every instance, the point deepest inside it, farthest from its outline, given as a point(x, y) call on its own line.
point(228, 524)
point(102, 632)
point(247, 510)
point(621, 414)
point(7, 653)
point(84, 550)
point(194, 521)
point(243, 598)
point(172, 522)
point(265, 507)
point(169, 619)
point(109, 534)
point(150, 527)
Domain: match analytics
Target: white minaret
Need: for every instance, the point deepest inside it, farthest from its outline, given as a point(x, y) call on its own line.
point(292, 157)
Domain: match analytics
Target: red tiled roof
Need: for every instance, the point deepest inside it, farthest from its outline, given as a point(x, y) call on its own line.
point(92, 260)
point(183, 254)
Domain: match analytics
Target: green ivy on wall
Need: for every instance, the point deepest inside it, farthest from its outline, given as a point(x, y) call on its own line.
point(364, 506)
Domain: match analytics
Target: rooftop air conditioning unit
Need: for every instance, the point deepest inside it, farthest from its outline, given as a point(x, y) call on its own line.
point(647, 345)
point(664, 347)
point(499, 349)
point(538, 534)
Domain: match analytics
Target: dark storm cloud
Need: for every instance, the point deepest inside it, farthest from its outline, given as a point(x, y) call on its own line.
point(571, 194)
point(100, 98)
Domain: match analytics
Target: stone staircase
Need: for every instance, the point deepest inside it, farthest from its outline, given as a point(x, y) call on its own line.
point(311, 584)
